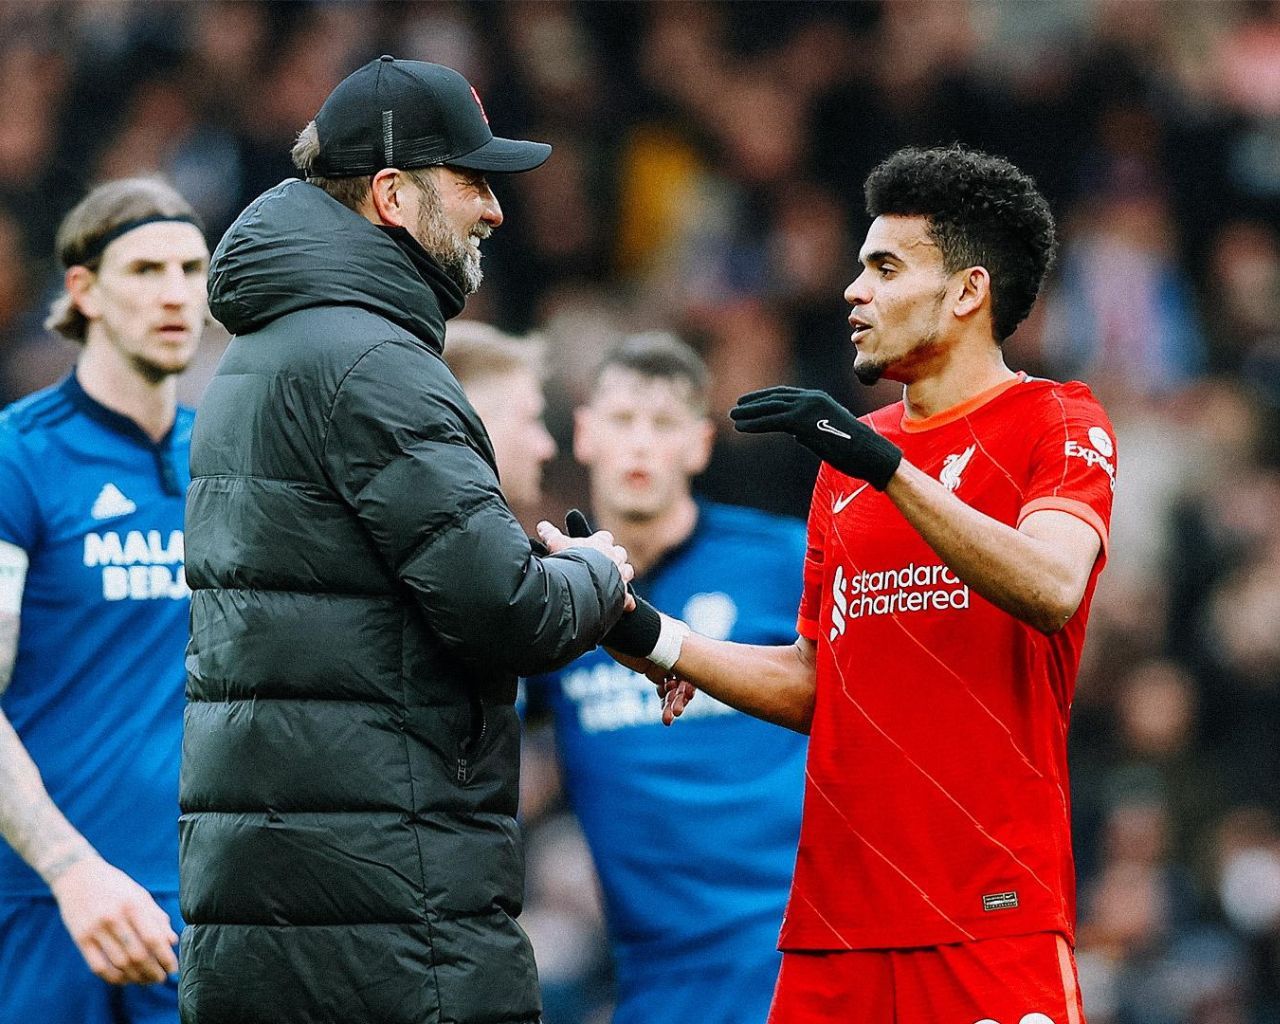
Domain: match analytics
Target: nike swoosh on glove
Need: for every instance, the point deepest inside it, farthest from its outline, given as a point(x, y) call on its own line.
point(822, 425)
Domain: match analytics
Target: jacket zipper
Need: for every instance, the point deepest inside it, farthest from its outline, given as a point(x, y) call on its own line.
point(464, 763)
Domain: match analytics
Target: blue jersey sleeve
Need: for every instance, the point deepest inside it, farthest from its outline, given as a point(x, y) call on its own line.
point(19, 512)
point(533, 699)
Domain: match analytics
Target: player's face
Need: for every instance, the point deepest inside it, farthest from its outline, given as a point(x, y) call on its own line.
point(511, 405)
point(898, 301)
point(643, 441)
point(148, 299)
point(452, 229)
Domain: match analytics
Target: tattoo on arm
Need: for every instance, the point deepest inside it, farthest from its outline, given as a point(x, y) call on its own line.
point(29, 820)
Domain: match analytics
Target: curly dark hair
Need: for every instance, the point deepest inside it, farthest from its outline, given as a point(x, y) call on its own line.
point(982, 211)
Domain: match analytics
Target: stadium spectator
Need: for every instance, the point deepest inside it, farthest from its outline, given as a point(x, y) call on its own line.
point(708, 931)
point(955, 540)
point(1246, 875)
point(93, 623)
point(363, 597)
point(15, 283)
point(502, 377)
point(1154, 958)
point(1124, 309)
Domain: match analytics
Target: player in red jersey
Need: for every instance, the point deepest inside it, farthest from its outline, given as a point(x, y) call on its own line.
point(955, 540)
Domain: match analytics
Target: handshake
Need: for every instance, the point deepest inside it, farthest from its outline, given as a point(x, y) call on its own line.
point(644, 639)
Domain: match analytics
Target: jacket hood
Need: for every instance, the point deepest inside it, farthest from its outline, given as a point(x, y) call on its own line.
point(295, 247)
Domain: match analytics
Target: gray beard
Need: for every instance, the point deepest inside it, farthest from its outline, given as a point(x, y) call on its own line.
point(460, 261)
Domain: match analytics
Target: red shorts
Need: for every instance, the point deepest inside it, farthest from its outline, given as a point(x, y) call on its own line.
point(1026, 979)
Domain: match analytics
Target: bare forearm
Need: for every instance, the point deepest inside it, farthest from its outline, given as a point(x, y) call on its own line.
point(29, 820)
point(1026, 577)
point(772, 683)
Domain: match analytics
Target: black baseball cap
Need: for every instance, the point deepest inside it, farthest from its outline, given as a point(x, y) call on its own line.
point(409, 113)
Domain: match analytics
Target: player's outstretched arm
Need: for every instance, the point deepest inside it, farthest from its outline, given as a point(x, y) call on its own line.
point(776, 684)
point(1037, 572)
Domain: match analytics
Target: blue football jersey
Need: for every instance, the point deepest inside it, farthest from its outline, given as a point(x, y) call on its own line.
point(97, 688)
point(693, 828)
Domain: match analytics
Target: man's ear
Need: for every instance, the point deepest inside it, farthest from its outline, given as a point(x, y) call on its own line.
point(975, 291)
point(698, 454)
point(79, 282)
point(583, 448)
point(386, 193)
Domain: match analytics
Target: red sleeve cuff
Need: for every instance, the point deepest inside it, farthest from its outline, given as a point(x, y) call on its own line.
point(1071, 506)
point(807, 628)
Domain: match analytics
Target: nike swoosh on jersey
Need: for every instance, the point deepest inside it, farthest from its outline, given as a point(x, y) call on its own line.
point(839, 504)
point(825, 426)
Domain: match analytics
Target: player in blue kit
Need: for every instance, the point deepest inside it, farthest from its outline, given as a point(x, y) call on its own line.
point(693, 831)
point(93, 624)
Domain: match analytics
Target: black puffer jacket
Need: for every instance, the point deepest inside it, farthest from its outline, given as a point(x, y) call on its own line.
point(363, 601)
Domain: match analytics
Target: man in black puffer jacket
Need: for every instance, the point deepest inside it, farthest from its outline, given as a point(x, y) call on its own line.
point(363, 598)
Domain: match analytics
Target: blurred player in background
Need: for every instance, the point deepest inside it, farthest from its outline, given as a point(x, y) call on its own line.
point(955, 540)
point(693, 832)
point(502, 376)
point(93, 624)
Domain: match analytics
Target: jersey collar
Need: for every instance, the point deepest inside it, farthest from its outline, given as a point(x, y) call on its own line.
point(75, 393)
point(958, 412)
point(162, 451)
point(682, 545)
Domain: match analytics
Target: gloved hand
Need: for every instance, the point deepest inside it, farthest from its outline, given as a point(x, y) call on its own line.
point(822, 425)
point(637, 632)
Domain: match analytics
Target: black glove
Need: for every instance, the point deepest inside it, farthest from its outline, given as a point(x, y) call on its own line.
point(636, 633)
point(822, 425)
point(576, 525)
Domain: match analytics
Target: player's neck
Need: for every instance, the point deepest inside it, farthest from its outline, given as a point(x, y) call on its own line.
point(113, 382)
point(960, 378)
point(647, 540)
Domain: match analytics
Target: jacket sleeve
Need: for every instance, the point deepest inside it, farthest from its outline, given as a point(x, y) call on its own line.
point(396, 448)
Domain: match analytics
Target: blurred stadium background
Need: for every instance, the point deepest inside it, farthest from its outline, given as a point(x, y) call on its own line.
point(707, 179)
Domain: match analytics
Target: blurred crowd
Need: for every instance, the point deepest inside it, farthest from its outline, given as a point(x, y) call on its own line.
point(707, 179)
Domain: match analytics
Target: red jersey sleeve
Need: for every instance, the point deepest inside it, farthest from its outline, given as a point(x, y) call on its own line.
point(815, 549)
point(1073, 461)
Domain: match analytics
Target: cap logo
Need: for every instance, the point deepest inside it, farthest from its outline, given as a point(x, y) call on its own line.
point(388, 139)
point(476, 96)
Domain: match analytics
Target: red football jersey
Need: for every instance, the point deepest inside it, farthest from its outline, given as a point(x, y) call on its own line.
point(936, 802)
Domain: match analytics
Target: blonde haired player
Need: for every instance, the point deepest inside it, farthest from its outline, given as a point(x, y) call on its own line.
point(93, 623)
